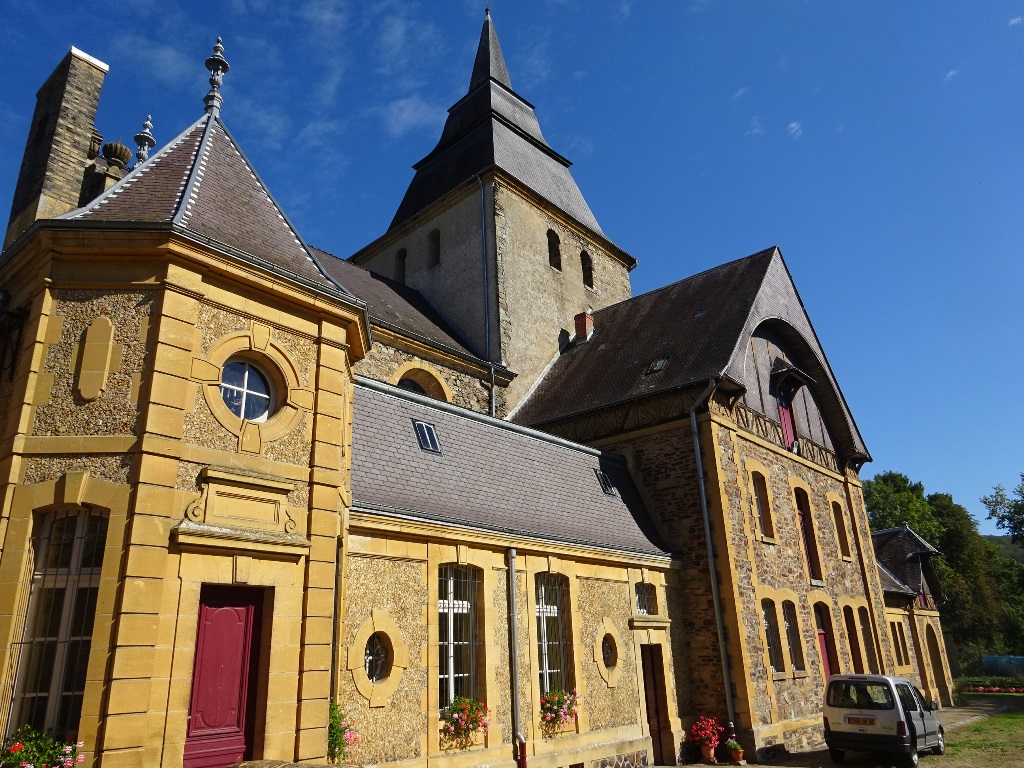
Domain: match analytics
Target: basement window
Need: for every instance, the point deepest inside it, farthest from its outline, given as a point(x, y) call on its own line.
point(427, 436)
point(605, 481)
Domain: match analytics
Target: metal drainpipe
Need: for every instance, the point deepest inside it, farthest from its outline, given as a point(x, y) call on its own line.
point(705, 396)
point(514, 658)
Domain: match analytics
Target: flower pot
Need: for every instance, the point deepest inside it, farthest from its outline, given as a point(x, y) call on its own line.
point(737, 755)
point(707, 752)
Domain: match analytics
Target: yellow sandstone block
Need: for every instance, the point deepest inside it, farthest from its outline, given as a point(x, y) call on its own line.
point(129, 696)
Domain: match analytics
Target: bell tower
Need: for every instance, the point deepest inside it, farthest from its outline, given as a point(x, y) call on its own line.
point(495, 233)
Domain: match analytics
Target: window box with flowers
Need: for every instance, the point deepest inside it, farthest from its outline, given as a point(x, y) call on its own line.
point(465, 722)
point(34, 749)
point(558, 710)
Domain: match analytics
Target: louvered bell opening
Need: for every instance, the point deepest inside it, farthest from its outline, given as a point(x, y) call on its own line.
point(53, 655)
point(553, 636)
point(458, 607)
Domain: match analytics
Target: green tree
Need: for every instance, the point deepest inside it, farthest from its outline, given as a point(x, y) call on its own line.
point(1006, 511)
point(892, 500)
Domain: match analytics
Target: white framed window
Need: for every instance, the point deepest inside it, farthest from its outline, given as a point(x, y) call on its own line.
point(53, 655)
point(457, 590)
point(553, 632)
point(427, 436)
point(246, 390)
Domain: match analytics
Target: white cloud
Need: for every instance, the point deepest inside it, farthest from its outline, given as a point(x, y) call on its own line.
point(1015, 21)
point(740, 93)
point(581, 146)
point(951, 74)
point(165, 64)
point(794, 130)
point(626, 8)
point(403, 115)
point(756, 129)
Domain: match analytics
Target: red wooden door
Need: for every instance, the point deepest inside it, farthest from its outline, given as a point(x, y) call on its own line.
point(221, 712)
point(823, 647)
point(656, 699)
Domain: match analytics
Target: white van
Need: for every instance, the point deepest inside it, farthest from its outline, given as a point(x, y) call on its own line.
point(875, 713)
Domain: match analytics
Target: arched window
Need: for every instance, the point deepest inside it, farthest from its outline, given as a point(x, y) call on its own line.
point(762, 505)
point(411, 385)
point(826, 640)
point(54, 651)
point(400, 261)
point(588, 269)
point(458, 589)
point(554, 250)
point(806, 526)
point(851, 636)
point(554, 639)
point(869, 640)
point(840, 520)
point(796, 647)
point(771, 633)
point(434, 248)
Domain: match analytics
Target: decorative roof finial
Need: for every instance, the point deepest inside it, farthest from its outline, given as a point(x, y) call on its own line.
point(144, 139)
point(217, 65)
point(487, 9)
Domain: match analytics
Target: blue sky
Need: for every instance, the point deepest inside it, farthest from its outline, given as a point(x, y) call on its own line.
point(879, 144)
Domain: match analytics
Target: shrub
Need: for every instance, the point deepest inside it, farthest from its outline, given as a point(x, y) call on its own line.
point(341, 736)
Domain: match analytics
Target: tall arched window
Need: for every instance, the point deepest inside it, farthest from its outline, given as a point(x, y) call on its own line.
point(771, 633)
point(54, 651)
point(588, 269)
point(869, 640)
point(806, 525)
point(554, 639)
point(458, 589)
point(554, 250)
point(851, 636)
point(434, 248)
point(840, 521)
point(796, 648)
point(763, 506)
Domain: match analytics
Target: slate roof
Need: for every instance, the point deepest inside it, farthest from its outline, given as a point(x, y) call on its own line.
point(891, 584)
point(392, 304)
point(202, 183)
point(905, 555)
point(489, 475)
point(701, 326)
point(493, 126)
point(664, 323)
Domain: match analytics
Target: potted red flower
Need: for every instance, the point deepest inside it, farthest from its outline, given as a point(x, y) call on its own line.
point(706, 731)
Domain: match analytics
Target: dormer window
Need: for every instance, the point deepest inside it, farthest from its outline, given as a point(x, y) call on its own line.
point(554, 250)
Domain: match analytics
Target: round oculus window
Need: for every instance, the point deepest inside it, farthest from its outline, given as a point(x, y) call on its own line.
point(609, 652)
point(246, 390)
point(377, 657)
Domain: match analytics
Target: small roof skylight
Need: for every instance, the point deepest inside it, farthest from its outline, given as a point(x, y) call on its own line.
point(605, 481)
point(427, 436)
point(656, 366)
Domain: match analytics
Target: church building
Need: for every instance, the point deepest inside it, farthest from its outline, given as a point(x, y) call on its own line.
point(242, 477)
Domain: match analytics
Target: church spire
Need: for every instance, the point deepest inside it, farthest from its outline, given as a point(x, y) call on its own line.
point(489, 64)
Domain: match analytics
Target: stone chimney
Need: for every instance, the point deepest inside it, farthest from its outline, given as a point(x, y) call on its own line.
point(62, 142)
point(584, 327)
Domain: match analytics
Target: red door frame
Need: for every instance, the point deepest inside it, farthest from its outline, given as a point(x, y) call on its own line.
point(222, 708)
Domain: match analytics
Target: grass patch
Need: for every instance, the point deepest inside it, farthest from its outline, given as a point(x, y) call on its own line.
point(998, 740)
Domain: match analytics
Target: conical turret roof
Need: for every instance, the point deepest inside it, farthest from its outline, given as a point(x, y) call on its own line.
point(493, 126)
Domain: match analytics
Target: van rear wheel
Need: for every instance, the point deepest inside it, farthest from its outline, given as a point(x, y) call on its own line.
point(836, 755)
point(913, 758)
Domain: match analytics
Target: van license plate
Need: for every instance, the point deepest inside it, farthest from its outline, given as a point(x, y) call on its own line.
point(862, 721)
